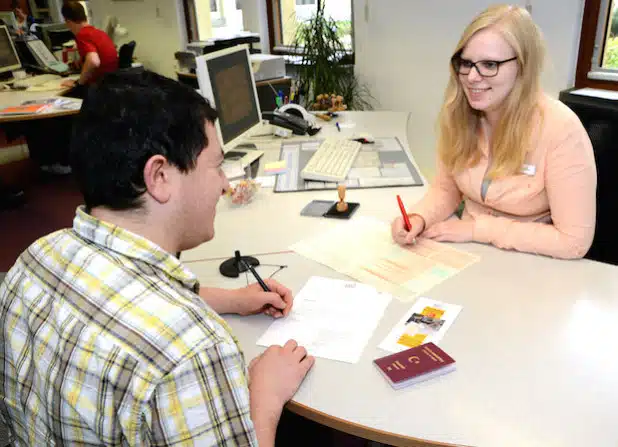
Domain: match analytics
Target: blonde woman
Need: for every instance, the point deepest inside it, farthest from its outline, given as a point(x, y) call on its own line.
point(521, 161)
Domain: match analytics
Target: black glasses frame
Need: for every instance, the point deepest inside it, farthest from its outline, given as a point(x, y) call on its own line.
point(456, 62)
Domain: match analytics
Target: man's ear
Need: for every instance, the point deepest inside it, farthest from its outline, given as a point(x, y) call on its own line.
point(158, 178)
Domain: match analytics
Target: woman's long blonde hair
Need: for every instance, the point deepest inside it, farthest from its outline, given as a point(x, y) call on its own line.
point(458, 123)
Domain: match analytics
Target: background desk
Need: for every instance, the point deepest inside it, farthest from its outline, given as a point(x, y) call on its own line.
point(534, 343)
point(46, 133)
point(16, 97)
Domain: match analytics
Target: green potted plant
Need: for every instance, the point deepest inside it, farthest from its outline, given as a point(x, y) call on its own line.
point(325, 66)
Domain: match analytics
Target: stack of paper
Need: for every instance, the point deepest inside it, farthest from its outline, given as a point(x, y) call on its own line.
point(275, 167)
point(24, 109)
point(404, 272)
point(331, 318)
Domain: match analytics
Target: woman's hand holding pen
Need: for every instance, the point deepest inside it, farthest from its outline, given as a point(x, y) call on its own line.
point(401, 235)
point(253, 299)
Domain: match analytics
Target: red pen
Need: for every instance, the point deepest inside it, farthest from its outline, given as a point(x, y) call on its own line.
point(406, 219)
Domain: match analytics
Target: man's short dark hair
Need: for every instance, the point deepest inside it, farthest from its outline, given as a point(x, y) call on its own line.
point(74, 12)
point(127, 118)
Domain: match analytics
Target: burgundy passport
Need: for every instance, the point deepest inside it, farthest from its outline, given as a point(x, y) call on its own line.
point(415, 365)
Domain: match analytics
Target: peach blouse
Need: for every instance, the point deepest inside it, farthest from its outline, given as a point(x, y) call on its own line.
point(548, 208)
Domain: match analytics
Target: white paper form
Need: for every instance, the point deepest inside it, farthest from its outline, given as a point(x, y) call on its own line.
point(331, 318)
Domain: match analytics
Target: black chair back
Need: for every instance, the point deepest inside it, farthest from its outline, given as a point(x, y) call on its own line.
point(125, 55)
point(600, 118)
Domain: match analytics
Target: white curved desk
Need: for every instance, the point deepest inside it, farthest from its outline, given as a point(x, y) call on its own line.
point(535, 342)
point(272, 222)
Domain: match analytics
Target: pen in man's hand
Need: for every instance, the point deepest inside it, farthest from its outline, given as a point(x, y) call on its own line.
point(255, 274)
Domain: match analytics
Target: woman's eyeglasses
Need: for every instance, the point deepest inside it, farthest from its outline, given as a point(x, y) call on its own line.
point(487, 69)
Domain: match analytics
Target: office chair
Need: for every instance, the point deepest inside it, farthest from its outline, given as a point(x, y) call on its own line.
point(125, 55)
point(57, 38)
point(600, 118)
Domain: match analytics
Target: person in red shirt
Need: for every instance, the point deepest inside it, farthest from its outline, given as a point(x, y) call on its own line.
point(96, 49)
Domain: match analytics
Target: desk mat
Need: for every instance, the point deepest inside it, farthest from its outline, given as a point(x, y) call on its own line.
point(382, 164)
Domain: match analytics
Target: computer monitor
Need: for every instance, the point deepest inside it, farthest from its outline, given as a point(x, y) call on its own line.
point(54, 35)
point(9, 19)
point(9, 60)
point(225, 78)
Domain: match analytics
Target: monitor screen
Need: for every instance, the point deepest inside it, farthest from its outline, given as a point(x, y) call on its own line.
point(9, 19)
point(226, 79)
point(8, 56)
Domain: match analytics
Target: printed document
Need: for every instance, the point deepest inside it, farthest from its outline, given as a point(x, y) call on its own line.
point(331, 318)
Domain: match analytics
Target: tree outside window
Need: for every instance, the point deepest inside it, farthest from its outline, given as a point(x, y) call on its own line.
point(293, 12)
point(610, 51)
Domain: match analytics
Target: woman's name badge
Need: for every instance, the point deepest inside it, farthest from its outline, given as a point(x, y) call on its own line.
point(528, 169)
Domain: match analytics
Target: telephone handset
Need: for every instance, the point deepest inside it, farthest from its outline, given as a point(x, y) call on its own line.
point(296, 124)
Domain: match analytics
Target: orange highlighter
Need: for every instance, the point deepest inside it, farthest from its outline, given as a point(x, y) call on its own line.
point(406, 220)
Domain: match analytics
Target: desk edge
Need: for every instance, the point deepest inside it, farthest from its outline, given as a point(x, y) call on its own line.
point(361, 430)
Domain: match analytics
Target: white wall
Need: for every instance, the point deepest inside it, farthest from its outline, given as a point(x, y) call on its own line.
point(156, 25)
point(402, 46)
point(403, 49)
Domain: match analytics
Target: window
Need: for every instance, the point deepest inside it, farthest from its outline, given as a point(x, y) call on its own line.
point(597, 64)
point(610, 49)
point(217, 19)
point(286, 15)
point(212, 18)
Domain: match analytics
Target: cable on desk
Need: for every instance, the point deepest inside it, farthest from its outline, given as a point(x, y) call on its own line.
point(280, 267)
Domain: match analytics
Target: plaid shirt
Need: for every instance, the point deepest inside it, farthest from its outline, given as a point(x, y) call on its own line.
point(105, 341)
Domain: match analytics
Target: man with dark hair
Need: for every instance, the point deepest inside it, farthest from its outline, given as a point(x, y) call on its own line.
point(96, 49)
point(107, 339)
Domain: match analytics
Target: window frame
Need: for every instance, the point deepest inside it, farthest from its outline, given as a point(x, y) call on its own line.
point(190, 20)
point(591, 42)
point(275, 30)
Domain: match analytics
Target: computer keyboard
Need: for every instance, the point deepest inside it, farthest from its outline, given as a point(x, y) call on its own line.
point(332, 161)
point(36, 80)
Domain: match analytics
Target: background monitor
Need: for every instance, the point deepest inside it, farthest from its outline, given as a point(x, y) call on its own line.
point(9, 19)
point(226, 79)
point(54, 35)
point(9, 60)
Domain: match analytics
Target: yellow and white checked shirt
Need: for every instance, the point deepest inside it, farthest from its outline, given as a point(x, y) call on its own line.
point(105, 342)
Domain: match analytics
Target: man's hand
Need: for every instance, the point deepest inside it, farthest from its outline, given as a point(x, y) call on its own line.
point(452, 230)
point(252, 300)
point(69, 83)
point(274, 378)
point(277, 373)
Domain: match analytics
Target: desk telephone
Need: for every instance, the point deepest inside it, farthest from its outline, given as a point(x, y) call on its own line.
point(296, 124)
